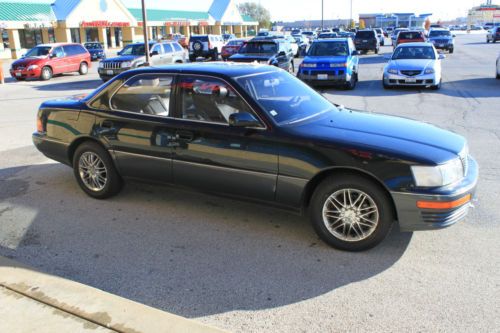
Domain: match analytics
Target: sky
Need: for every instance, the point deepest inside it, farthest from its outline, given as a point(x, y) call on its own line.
point(292, 10)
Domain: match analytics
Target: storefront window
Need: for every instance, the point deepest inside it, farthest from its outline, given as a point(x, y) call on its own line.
point(75, 35)
point(30, 38)
point(52, 36)
point(92, 35)
point(118, 36)
point(154, 32)
point(5, 39)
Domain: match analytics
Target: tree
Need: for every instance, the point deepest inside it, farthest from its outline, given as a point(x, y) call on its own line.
point(427, 24)
point(257, 12)
point(362, 24)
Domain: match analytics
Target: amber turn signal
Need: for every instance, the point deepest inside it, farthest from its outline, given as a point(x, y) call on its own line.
point(443, 204)
point(39, 125)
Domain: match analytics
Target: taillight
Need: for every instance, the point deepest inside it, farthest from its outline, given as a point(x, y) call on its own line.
point(39, 125)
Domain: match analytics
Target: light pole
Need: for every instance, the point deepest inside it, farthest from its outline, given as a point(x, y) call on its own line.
point(350, 21)
point(321, 15)
point(145, 32)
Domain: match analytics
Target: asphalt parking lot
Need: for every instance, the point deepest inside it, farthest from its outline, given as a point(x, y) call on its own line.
point(250, 268)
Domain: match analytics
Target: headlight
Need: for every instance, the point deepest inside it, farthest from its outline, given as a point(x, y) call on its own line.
point(339, 64)
point(440, 175)
point(126, 64)
point(32, 67)
point(429, 71)
point(392, 71)
point(309, 65)
point(101, 64)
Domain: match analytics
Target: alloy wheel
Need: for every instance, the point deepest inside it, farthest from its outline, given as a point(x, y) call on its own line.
point(350, 215)
point(92, 171)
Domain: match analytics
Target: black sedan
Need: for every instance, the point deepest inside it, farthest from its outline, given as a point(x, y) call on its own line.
point(256, 132)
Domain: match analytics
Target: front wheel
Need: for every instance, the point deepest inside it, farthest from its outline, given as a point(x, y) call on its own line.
point(46, 73)
point(351, 213)
point(450, 50)
point(352, 82)
point(291, 67)
point(95, 172)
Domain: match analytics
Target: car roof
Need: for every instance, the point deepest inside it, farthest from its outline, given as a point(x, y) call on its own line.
point(56, 44)
point(218, 68)
point(415, 44)
point(327, 40)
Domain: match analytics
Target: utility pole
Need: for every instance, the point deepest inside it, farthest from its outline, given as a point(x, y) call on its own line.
point(321, 15)
point(350, 21)
point(145, 32)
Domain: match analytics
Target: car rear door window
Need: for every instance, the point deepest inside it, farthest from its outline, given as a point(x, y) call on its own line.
point(209, 100)
point(167, 48)
point(157, 48)
point(177, 47)
point(147, 94)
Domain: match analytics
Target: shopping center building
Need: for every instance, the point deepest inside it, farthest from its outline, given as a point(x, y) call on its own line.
point(398, 20)
point(484, 14)
point(26, 23)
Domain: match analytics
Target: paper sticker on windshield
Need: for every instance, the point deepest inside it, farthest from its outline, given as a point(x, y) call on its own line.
point(273, 113)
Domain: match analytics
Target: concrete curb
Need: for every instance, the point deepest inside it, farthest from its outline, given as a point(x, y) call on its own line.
point(93, 305)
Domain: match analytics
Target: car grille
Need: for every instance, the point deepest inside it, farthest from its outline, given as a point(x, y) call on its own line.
point(441, 41)
point(112, 65)
point(410, 72)
point(18, 67)
point(445, 217)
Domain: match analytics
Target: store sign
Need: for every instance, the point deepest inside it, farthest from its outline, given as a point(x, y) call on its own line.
point(34, 25)
point(101, 24)
point(203, 23)
point(176, 23)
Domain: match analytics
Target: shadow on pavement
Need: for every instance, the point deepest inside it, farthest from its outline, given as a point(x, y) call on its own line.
point(74, 85)
point(183, 252)
point(377, 59)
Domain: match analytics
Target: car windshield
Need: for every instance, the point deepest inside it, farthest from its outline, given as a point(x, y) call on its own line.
point(259, 47)
point(234, 43)
point(308, 33)
point(365, 34)
point(93, 46)
point(39, 51)
point(136, 49)
point(285, 98)
point(325, 49)
point(439, 33)
point(414, 52)
point(327, 35)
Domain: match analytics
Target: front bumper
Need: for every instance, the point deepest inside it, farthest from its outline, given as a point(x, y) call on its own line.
point(365, 47)
point(109, 73)
point(337, 76)
point(417, 80)
point(443, 46)
point(25, 74)
point(97, 56)
point(413, 218)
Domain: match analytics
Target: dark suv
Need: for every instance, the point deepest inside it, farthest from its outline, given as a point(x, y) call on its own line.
point(266, 51)
point(206, 46)
point(367, 40)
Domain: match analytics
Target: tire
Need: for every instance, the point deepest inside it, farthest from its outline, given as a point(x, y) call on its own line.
point(450, 50)
point(215, 55)
point(46, 73)
point(19, 78)
point(352, 83)
point(366, 230)
point(498, 76)
point(192, 58)
point(376, 51)
point(437, 86)
point(86, 153)
point(291, 67)
point(487, 40)
point(84, 68)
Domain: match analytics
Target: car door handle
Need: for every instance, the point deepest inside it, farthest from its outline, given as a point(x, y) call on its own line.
point(185, 135)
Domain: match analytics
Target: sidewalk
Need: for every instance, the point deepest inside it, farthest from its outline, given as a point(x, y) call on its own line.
point(31, 301)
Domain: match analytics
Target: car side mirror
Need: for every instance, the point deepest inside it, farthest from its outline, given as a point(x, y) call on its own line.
point(243, 119)
point(282, 54)
point(355, 53)
point(53, 55)
point(154, 53)
point(441, 56)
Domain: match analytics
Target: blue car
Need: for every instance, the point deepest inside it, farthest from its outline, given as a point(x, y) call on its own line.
point(331, 62)
point(96, 50)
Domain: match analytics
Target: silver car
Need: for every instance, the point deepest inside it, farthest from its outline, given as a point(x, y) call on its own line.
point(414, 64)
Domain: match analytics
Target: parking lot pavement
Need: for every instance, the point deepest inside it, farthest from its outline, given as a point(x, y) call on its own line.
point(250, 268)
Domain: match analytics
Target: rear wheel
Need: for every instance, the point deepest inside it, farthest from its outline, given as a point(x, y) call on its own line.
point(46, 73)
point(95, 172)
point(215, 55)
point(84, 68)
point(351, 213)
point(450, 50)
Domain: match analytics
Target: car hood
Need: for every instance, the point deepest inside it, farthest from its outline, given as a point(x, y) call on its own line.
point(412, 63)
point(250, 57)
point(28, 61)
point(389, 135)
point(124, 58)
point(327, 60)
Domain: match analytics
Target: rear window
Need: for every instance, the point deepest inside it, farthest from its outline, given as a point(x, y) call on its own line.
point(200, 38)
point(234, 43)
point(323, 49)
point(259, 47)
point(365, 34)
point(410, 35)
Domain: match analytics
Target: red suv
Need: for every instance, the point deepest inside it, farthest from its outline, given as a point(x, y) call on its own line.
point(410, 37)
point(45, 60)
